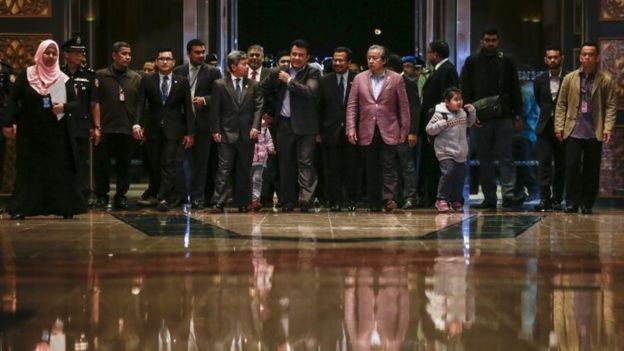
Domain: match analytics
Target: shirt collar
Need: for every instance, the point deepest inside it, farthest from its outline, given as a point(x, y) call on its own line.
point(234, 78)
point(557, 76)
point(440, 63)
point(380, 77)
point(162, 75)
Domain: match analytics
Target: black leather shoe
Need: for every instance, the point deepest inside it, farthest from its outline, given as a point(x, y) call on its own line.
point(17, 216)
point(120, 204)
point(571, 209)
point(543, 206)
point(68, 216)
point(351, 207)
point(510, 202)
point(163, 206)
point(102, 202)
point(408, 204)
point(586, 210)
point(304, 207)
point(557, 206)
point(485, 205)
point(147, 202)
point(287, 208)
point(243, 209)
point(218, 208)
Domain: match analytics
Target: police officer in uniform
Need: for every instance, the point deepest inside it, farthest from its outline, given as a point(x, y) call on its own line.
point(87, 117)
point(6, 80)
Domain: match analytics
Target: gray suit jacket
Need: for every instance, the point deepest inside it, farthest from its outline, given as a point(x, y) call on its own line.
point(231, 118)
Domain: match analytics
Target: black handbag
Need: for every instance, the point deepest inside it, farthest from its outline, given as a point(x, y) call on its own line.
point(489, 107)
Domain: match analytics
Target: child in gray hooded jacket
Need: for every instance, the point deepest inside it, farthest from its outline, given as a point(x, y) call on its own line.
point(448, 125)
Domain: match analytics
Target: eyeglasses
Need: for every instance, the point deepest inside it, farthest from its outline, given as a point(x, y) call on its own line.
point(165, 59)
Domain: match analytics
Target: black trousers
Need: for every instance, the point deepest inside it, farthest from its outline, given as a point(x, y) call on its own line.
point(165, 157)
point(82, 145)
point(296, 164)
point(235, 157)
point(381, 170)
point(342, 169)
point(582, 171)
point(201, 158)
point(119, 147)
point(550, 153)
point(428, 173)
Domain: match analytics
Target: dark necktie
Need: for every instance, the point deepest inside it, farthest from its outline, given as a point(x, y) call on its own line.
point(254, 74)
point(239, 93)
point(341, 89)
point(164, 88)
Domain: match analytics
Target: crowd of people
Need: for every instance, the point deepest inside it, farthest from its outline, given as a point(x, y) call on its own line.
point(394, 135)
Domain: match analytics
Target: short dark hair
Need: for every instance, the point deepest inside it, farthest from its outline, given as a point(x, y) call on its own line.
point(164, 50)
point(193, 42)
point(344, 49)
point(552, 48)
point(234, 57)
point(440, 47)
point(591, 44)
point(256, 47)
point(489, 31)
point(395, 63)
point(451, 92)
point(300, 43)
point(118, 45)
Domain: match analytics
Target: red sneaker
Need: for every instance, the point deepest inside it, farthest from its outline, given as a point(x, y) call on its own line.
point(442, 205)
point(255, 206)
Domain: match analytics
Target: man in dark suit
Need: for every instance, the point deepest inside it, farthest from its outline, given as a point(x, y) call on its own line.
point(235, 122)
point(550, 151)
point(169, 124)
point(378, 118)
point(341, 159)
point(201, 77)
point(255, 56)
point(443, 77)
point(292, 92)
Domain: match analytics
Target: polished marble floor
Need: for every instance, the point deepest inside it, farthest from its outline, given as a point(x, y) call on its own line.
point(410, 280)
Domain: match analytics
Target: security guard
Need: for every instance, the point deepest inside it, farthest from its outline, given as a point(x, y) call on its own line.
point(87, 117)
point(6, 81)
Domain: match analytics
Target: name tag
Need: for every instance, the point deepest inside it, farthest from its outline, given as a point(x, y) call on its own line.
point(122, 95)
point(584, 107)
point(47, 103)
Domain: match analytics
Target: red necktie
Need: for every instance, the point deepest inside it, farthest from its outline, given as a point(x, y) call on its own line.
point(253, 74)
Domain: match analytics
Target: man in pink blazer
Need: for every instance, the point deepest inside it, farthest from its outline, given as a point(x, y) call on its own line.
point(378, 119)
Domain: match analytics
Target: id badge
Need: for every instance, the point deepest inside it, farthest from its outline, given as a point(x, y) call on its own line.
point(584, 107)
point(122, 95)
point(47, 103)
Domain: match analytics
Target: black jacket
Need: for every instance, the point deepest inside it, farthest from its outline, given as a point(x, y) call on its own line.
point(479, 78)
point(541, 89)
point(441, 79)
point(333, 111)
point(303, 90)
point(174, 116)
point(206, 77)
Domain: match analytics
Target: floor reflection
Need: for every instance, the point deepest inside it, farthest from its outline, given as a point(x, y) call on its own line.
point(311, 299)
